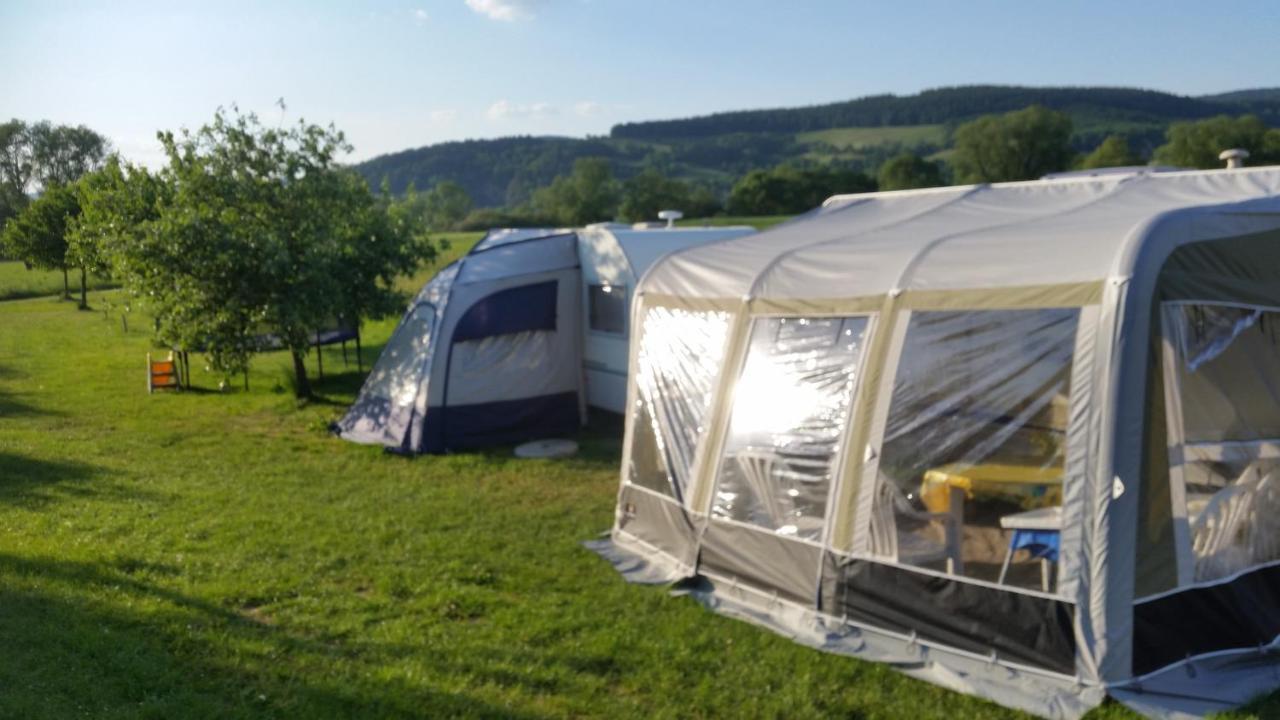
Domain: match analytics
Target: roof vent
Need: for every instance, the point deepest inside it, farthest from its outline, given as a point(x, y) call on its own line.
point(1235, 157)
point(671, 216)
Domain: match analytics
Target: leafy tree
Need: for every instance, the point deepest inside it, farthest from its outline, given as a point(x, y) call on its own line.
point(38, 235)
point(1021, 145)
point(62, 153)
point(589, 194)
point(1113, 152)
point(116, 203)
point(907, 171)
point(786, 190)
point(446, 205)
point(253, 230)
point(15, 168)
point(644, 195)
point(1197, 144)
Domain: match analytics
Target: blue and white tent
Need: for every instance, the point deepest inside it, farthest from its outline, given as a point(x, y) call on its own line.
point(513, 341)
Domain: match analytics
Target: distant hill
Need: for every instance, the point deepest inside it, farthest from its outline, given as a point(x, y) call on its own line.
point(716, 149)
point(942, 105)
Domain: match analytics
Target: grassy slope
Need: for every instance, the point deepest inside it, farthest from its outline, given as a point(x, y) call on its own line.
point(853, 138)
point(220, 555)
point(16, 281)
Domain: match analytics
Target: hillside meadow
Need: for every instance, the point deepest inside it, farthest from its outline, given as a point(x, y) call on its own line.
point(220, 555)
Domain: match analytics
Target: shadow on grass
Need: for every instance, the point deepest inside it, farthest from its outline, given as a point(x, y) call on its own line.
point(12, 406)
point(103, 640)
point(31, 482)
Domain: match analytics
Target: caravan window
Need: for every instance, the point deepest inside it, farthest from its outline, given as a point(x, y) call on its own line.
point(971, 467)
point(1222, 400)
point(789, 412)
point(607, 308)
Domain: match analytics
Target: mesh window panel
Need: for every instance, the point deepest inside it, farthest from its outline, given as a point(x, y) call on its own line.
point(789, 411)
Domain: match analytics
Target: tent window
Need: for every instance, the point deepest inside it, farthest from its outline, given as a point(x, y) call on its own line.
point(789, 412)
point(1222, 393)
point(607, 308)
point(677, 364)
point(971, 468)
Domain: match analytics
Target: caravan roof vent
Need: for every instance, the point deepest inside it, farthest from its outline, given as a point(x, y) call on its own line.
point(1235, 157)
point(671, 216)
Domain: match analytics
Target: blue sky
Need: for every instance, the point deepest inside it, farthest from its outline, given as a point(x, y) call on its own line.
point(395, 75)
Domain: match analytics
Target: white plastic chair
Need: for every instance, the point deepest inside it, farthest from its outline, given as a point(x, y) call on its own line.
point(1223, 533)
point(912, 548)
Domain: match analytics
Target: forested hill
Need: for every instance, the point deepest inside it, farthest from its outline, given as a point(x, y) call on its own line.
point(716, 150)
point(946, 105)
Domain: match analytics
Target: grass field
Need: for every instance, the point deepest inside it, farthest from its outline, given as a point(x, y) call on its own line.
point(855, 138)
point(210, 555)
point(16, 281)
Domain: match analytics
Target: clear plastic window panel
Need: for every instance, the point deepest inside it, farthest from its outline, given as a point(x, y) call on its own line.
point(790, 409)
point(677, 364)
point(607, 308)
point(1225, 430)
point(971, 468)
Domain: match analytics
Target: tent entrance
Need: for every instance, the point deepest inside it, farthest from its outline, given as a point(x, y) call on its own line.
point(510, 373)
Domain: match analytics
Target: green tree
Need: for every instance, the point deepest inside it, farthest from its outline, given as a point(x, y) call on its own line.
point(589, 194)
point(907, 171)
point(649, 192)
point(38, 235)
point(786, 190)
point(1113, 152)
point(61, 153)
point(15, 168)
point(116, 203)
point(1021, 145)
point(445, 205)
point(254, 230)
point(1197, 144)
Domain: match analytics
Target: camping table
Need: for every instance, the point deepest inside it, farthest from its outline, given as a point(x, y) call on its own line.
point(944, 488)
point(1036, 531)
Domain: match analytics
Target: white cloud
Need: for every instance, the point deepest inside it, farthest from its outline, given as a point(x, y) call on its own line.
point(420, 16)
point(505, 109)
point(587, 108)
point(504, 10)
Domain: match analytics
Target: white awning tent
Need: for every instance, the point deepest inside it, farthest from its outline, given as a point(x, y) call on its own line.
point(514, 340)
point(1021, 440)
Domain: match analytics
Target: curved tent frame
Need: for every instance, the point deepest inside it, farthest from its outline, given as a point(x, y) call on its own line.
point(960, 325)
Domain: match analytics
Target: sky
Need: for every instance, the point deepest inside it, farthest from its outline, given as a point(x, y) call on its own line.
point(401, 74)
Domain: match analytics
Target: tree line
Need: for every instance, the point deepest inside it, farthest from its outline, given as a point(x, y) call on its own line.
point(945, 105)
point(1024, 144)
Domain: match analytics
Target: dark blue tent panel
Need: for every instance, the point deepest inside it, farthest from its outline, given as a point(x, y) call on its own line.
point(463, 427)
point(518, 309)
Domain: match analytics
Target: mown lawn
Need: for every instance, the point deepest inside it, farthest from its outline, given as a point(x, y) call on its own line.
point(16, 281)
point(210, 555)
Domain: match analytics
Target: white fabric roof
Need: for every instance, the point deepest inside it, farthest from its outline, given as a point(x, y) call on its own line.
point(643, 247)
point(982, 236)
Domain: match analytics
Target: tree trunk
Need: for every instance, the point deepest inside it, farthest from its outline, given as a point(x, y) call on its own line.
point(302, 387)
point(84, 288)
point(66, 286)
